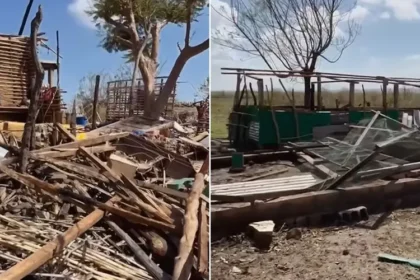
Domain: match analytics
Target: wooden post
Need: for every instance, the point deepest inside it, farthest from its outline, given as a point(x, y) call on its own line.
point(95, 101)
point(238, 89)
point(384, 94)
point(68, 118)
point(319, 94)
point(25, 17)
point(29, 129)
point(351, 95)
point(55, 132)
point(73, 119)
point(50, 77)
point(185, 259)
point(312, 97)
point(396, 95)
point(260, 85)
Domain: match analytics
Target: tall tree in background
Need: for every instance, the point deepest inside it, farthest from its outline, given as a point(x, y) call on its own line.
point(203, 91)
point(296, 33)
point(135, 26)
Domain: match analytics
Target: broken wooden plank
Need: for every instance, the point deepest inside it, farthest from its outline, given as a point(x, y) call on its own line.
point(86, 142)
point(101, 165)
point(55, 190)
point(185, 259)
point(62, 153)
point(54, 247)
point(65, 132)
point(203, 241)
point(72, 167)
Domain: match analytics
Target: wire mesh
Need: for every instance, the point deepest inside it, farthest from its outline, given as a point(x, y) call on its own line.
point(360, 142)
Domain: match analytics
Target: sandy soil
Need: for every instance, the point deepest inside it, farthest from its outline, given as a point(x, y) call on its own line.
point(327, 253)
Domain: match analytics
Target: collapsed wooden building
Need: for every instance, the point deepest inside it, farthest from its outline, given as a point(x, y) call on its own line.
point(16, 74)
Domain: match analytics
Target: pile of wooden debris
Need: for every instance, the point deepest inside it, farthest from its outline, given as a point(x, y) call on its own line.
point(101, 208)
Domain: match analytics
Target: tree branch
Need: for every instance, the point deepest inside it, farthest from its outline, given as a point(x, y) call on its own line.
point(188, 27)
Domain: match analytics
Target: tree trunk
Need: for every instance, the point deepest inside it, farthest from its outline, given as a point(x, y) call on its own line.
point(169, 86)
point(28, 131)
point(307, 97)
point(182, 59)
point(132, 101)
point(148, 72)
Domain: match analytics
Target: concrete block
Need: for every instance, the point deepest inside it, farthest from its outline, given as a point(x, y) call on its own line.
point(262, 233)
point(122, 165)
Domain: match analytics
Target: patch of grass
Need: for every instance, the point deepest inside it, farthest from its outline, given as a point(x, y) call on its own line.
point(222, 101)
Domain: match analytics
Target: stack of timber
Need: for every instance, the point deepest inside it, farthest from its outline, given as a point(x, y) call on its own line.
point(16, 69)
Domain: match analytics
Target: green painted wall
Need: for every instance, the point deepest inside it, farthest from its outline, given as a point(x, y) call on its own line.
point(287, 128)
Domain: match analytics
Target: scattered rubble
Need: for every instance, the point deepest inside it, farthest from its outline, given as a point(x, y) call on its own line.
point(135, 224)
point(323, 197)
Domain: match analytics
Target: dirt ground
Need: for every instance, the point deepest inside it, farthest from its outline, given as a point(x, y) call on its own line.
point(326, 253)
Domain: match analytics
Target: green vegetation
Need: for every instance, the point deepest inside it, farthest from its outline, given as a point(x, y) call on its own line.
point(222, 101)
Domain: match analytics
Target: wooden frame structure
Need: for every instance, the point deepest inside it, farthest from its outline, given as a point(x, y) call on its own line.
point(323, 78)
point(118, 98)
point(16, 73)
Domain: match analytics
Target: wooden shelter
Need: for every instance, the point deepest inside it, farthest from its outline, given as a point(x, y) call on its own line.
point(16, 73)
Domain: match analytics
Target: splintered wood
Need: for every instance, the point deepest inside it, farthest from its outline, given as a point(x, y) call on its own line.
point(73, 216)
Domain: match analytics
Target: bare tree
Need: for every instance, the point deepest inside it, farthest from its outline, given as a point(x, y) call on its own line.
point(293, 33)
point(203, 91)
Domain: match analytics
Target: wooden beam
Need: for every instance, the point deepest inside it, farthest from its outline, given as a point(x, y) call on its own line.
point(95, 101)
point(101, 165)
point(73, 119)
point(72, 152)
point(319, 93)
point(71, 166)
point(351, 95)
point(65, 132)
point(54, 247)
point(238, 89)
point(86, 142)
point(384, 94)
point(327, 201)
point(260, 87)
point(203, 240)
point(185, 259)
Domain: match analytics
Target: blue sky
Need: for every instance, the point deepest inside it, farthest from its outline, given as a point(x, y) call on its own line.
point(79, 43)
point(388, 44)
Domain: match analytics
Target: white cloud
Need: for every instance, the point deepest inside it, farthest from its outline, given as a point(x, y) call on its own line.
point(371, 2)
point(404, 9)
point(225, 57)
point(385, 15)
point(412, 57)
point(401, 9)
point(359, 13)
point(77, 8)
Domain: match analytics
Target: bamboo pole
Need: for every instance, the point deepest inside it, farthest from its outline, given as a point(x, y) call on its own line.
point(54, 247)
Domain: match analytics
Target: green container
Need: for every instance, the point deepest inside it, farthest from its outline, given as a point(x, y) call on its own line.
point(287, 127)
point(237, 162)
point(185, 183)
